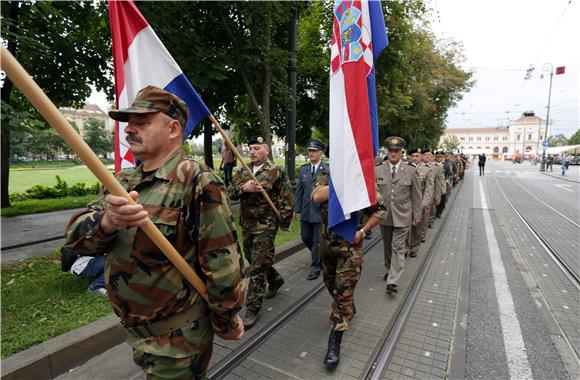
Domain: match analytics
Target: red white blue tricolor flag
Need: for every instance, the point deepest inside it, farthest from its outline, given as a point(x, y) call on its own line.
point(359, 35)
point(141, 60)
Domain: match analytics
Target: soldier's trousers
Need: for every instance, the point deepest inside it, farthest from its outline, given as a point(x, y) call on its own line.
point(432, 214)
point(441, 206)
point(418, 232)
point(310, 235)
point(259, 250)
point(340, 271)
point(394, 239)
point(164, 367)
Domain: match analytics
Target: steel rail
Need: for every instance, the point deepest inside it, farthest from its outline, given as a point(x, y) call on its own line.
point(560, 262)
point(382, 353)
point(547, 205)
point(227, 364)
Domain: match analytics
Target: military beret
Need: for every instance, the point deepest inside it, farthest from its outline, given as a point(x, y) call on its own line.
point(426, 150)
point(414, 150)
point(314, 144)
point(394, 142)
point(440, 153)
point(257, 140)
point(154, 99)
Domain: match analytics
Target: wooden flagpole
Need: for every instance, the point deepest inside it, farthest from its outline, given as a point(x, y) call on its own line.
point(239, 157)
point(48, 110)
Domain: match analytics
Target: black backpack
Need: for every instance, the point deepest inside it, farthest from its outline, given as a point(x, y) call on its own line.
point(67, 259)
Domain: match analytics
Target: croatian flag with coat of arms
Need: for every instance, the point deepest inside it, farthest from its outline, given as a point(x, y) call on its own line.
point(359, 35)
point(141, 60)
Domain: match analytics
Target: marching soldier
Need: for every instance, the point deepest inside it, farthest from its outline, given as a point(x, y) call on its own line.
point(400, 188)
point(341, 265)
point(427, 187)
point(168, 323)
point(309, 216)
point(260, 223)
point(439, 181)
point(447, 175)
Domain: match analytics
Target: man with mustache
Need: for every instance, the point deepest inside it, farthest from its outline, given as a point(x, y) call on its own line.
point(260, 223)
point(168, 323)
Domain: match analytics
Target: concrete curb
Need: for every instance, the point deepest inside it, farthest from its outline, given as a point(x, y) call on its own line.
point(67, 351)
point(569, 179)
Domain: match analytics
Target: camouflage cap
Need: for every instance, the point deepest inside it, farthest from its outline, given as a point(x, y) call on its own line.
point(154, 99)
point(394, 142)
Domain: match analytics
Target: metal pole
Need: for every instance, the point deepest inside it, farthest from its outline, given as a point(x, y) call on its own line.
point(291, 117)
point(543, 166)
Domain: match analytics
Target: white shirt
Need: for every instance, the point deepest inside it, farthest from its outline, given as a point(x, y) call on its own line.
point(256, 168)
point(397, 166)
point(80, 264)
point(315, 166)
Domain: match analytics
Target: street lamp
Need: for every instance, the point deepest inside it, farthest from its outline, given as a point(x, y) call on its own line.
point(547, 67)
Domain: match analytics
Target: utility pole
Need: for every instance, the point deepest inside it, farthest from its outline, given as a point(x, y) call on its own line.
point(550, 67)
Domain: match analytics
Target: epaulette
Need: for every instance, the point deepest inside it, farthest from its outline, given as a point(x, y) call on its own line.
point(380, 160)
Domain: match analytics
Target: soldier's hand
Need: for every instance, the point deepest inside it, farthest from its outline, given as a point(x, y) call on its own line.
point(119, 214)
point(251, 187)
point(236, 333)
point(416, 222)
point(358, 237)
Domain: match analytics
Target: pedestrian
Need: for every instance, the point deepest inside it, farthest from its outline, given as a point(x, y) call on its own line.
point(427, 182)
point(168, 323)
point(399, 185)
point(550, 163)
point(341, 265)
point(481, 164)
point(227, 164)
point(260, 223)
point(304, 207)
point(91, 268)
point(565, 164)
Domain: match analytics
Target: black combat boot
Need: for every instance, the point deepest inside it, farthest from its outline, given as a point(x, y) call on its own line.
point(333, 354)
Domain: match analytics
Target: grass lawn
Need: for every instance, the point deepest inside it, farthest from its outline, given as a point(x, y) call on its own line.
point(39, 301)
point(23, 179)
point(34, 206)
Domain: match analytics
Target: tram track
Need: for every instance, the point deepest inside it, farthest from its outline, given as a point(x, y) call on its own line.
point(571, 274)
point(382, 354)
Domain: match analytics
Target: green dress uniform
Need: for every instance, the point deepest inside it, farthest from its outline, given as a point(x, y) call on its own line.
point(427, 187)
point(169, 325)
point(260, 224)
point(342, 261)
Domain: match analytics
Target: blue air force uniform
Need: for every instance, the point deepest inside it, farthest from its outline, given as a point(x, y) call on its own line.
point(310, 221)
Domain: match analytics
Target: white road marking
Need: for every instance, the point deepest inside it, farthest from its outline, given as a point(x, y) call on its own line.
point(565, 187)
point(517, 359)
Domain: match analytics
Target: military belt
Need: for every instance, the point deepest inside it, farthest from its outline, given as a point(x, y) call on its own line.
point(166, 326)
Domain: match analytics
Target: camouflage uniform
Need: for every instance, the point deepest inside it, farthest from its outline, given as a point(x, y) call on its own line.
point(260, 224)
point(169, 325)
point(342, 261)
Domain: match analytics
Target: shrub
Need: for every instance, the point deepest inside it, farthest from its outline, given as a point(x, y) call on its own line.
point(60, 190)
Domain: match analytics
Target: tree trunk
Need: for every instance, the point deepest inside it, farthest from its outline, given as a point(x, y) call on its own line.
point(6, 90)
point(207, 145)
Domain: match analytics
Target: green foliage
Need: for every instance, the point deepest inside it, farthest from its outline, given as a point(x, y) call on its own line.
point(450, 143)
point(60, 190)
point(96, 136)
point(575, 138)
point(557, 140)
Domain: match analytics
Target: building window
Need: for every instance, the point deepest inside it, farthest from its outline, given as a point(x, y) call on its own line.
point(470, 138)
point(505, 138)
point(529, 137)
point(478, 138)
point(496, 149)
point(504, 149)
point(518, 137)
point(495, 138)
point(462, 138)
point(486, 138)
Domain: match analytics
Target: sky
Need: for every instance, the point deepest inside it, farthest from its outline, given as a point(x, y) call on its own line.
point(501, 40)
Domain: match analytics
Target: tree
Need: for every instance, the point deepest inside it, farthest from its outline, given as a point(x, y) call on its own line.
point(575, 138)
point(557, 140)
point(63, 58)
point(450, 143)
point(96, 136)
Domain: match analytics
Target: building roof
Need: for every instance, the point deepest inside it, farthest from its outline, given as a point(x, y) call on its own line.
point(475, 130)
point(87, 108)
point(528, 119)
